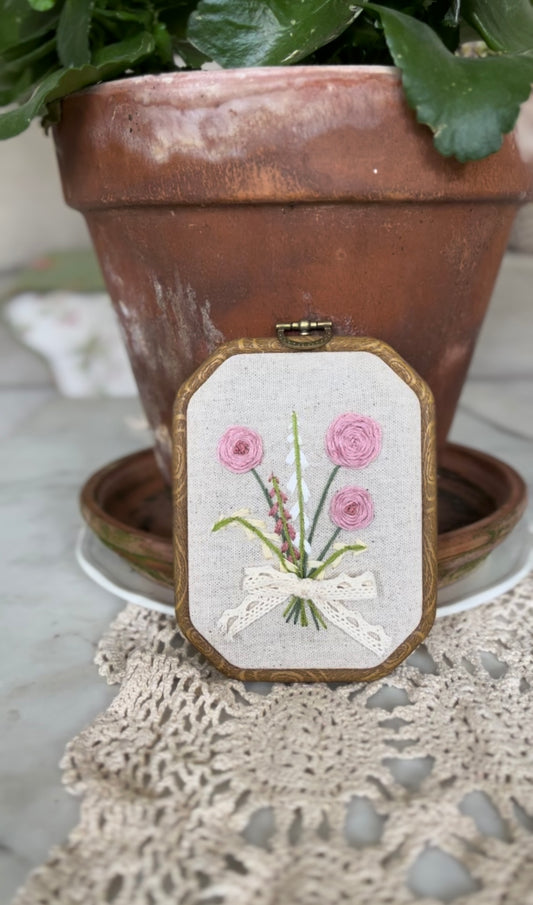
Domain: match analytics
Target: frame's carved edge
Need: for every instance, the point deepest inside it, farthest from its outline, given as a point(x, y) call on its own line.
point(429, 508)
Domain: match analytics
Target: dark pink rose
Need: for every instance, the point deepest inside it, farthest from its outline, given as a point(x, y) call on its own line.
point(240, 449)
point(351, 508)
point(353, 440)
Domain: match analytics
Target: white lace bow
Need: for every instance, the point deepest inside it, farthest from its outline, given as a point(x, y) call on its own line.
point(266, 588)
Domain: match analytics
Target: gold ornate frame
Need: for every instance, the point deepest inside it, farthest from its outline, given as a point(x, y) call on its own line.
point(429, 509)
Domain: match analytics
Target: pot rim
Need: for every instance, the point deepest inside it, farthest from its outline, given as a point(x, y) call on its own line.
point(245, 73)
point(155, 137)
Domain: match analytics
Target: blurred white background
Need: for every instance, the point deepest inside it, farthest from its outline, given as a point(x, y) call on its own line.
point(33, 216)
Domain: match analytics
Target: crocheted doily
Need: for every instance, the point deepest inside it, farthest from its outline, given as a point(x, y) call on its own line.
point(199, 789)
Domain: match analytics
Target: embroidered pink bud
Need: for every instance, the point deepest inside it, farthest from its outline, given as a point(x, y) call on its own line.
point(284, 546)
point(279, 526)
point(353, 440)
point(351, 508)
point(292, 532)
point(240, 449)
point(274, 510)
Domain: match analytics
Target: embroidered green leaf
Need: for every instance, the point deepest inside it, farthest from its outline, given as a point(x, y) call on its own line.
point(468, 103)
point(269, 33)
point(354, 548)
point(239, 520)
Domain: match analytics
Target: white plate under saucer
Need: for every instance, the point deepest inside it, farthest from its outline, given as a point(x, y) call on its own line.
point(500, 572)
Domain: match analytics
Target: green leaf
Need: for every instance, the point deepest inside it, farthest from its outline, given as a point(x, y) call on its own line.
point(27, 54)
point(19, 75)
point(191, 56)
point(175, 17)
point(238, 520)
point(468, 103)
point(15, 121)
point(355, 548)
point(19, 23)
point(42, 5)
point(73, 33)
point(266, 32)
point(108, 63)
point(506, 25)
point(13, 84)
point(123, 54)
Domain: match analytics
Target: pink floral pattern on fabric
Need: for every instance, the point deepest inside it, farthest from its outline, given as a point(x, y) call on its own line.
point(353, 440)
point(240, 449)
point(351, 508)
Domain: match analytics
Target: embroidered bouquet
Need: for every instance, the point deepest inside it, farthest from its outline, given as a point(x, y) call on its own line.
point(301, 580)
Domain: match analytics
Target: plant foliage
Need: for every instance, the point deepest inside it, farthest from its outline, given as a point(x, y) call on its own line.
point(50, 48)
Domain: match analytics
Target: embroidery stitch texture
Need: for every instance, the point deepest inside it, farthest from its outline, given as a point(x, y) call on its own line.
point(351, 441)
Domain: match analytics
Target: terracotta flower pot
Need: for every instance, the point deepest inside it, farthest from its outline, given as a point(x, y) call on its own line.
point(220, 203)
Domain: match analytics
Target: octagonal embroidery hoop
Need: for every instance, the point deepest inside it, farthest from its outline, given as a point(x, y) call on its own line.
point(305, 518)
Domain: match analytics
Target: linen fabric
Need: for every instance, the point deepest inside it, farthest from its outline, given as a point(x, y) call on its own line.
point(261, 392)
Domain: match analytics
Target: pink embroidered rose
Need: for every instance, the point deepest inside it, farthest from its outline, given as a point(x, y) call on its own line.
point(240, 449)
point(353, 440)
point(351, 508)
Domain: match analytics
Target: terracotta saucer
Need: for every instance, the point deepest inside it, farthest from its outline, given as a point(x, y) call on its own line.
point(480, 500)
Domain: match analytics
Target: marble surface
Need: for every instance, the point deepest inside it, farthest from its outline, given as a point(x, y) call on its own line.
point(52, 615)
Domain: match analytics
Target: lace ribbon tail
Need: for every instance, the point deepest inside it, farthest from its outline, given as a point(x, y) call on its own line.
point(373, 637)
point(253, 607)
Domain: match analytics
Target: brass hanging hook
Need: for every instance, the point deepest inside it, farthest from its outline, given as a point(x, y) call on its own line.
point(305, 328)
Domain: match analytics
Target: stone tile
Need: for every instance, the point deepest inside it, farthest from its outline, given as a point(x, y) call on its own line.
point(20, 367)
point(18, 404)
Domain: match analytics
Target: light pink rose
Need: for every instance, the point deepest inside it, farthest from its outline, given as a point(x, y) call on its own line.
point(351, 508)
point(353, 440)
point(240, 449)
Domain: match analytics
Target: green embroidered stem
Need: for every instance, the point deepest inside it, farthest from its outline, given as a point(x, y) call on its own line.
point(293, 607)
point(262, 486)
point(288, 608)
point(357, 548)
point(281, 515)
point(315, 613)
point(298, 464)
point(332, 540)
point(236, 519)
point(296, 610)
point(321, 503)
